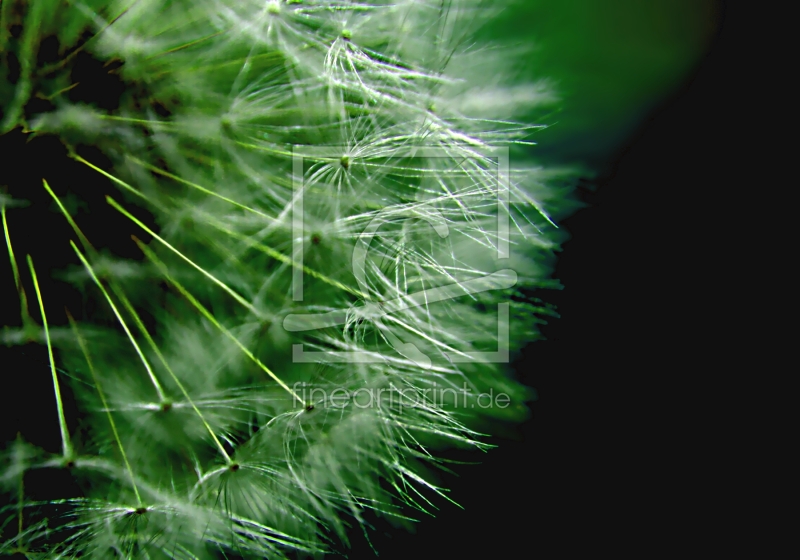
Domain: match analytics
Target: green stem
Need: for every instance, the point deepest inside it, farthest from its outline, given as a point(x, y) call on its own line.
point(23, 299)
point(172, 374)
point(66, 445)
point(102, 395)
point(197, 267)
point(139, 352)
point(213, 320)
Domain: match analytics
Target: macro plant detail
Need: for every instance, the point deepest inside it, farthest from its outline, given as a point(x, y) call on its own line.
point(254, 215)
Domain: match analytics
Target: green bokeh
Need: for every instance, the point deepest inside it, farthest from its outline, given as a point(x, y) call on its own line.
point(611, 62)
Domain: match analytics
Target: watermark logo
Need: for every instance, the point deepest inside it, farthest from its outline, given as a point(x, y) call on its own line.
point(393, 397)
point(378, 311)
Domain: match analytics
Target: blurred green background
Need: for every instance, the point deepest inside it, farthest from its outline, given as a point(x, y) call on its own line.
point(612, 62)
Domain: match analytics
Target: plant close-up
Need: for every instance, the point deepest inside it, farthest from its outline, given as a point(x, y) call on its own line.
point(266, 262)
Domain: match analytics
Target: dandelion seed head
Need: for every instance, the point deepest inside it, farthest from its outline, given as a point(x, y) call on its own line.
point(203, 435)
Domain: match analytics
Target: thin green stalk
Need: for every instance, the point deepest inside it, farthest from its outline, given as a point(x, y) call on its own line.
point(119, 293)
point(101, 394)
point(277, 255)
point(120, 182)
point(84, 241)
point(26, 318)
point(20, 495)
point(161, 395)
point(200, 188)
point(183, 390)
point(65, 442)
point(207, 274)
point(208, 315)
point(153, 379)
point(267, 250)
